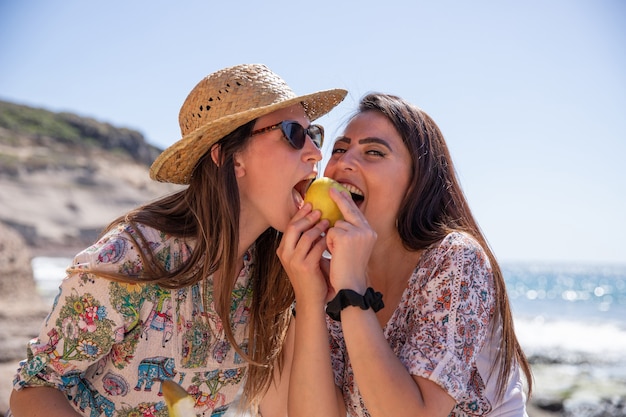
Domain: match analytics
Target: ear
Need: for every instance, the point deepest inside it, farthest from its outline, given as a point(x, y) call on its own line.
point(216, 157)
point(215, 154)
point(240, 168)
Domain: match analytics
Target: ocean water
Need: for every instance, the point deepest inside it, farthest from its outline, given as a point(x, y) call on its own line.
point(569, 313)
point(562, 313)
point(571, 323)
point(48, 273)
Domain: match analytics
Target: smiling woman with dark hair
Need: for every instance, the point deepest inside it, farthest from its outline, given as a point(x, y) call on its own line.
point(413, 299)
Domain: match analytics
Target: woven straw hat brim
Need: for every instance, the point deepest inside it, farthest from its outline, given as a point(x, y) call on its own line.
point(176, 163)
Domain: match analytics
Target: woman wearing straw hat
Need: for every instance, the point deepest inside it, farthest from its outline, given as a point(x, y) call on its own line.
point(188, 287)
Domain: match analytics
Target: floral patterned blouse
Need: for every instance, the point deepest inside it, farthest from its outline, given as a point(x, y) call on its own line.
point(441, 331)
point(108, 345)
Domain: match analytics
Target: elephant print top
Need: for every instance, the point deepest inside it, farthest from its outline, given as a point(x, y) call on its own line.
point(108, 345)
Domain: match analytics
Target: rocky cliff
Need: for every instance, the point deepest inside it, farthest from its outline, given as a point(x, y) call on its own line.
point(62, 179)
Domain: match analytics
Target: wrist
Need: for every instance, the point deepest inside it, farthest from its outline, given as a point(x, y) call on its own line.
point(345, 298)
point(308, 309)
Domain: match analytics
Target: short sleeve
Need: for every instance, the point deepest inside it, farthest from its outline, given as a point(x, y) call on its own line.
point(89, 316)
point(451, 301)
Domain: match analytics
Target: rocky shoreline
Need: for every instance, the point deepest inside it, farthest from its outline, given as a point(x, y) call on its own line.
point(21, 308)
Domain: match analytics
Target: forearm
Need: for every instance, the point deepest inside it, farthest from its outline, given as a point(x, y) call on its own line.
point(312, 391)
point(41, 402)
point(274, 402)
point(385, 384)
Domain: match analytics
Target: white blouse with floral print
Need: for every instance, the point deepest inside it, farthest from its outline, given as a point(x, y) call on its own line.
point(441, 330)
point(108, 345)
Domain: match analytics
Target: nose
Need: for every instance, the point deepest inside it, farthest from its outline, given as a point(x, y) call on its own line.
point(345, 161)
point(311, 152)
point(339, 163)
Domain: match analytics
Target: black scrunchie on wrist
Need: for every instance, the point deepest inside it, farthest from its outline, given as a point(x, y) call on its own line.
point(344, 298)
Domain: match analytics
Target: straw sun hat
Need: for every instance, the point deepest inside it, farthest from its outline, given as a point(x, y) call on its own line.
point(222, 102)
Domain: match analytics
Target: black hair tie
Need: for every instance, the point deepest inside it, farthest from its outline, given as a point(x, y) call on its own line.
point(344, 298)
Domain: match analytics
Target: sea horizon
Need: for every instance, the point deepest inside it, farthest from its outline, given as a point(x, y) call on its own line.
point(557, 307)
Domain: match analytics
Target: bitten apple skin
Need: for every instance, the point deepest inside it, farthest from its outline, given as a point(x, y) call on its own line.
point(318, 194)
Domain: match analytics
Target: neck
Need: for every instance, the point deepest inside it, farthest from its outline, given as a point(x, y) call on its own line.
point(388, 271)
point(391, 264)
point(250, 228)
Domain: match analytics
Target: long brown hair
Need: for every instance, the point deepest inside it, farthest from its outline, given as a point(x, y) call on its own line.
point(206, 214)
point(435, 205)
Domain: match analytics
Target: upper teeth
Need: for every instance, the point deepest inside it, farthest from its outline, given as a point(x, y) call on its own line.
point(352, 189)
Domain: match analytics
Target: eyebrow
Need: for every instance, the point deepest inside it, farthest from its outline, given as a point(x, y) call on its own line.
point(365, 141)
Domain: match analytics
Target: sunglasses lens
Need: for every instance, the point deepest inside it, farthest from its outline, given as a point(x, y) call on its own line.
point(316, 132)
point(294, 132)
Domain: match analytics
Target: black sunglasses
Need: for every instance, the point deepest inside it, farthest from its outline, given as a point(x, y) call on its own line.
point(295, 133)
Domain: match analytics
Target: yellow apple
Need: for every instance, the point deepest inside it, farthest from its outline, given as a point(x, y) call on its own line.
point(179, 402)
point(318, 194)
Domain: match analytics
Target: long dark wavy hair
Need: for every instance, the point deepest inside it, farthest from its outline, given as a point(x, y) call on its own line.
point(435, 205)
point(206, 213)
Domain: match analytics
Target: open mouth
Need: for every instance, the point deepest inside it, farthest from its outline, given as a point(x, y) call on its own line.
point(355, 193)
point(303, 185)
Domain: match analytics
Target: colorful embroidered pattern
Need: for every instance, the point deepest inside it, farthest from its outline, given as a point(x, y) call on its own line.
point(108, 344)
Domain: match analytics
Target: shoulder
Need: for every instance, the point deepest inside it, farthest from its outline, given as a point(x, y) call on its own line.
point(112, 248)
point(458, 249)
point(459, 241)
point(452, 262)
point(121, 250)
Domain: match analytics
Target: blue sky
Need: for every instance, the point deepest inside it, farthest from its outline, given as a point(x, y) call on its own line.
point(530, 95)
